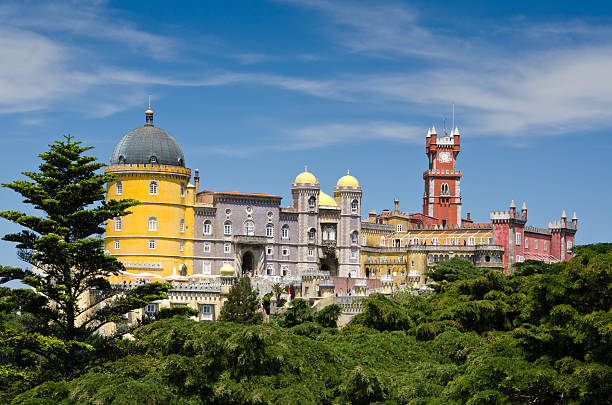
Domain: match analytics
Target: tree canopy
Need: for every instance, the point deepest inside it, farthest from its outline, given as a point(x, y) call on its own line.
point(242, 305)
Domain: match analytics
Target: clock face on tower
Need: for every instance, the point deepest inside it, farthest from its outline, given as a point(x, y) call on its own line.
point(444, 157)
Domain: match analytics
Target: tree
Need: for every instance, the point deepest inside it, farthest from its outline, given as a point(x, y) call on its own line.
point(298, 312)
point(242, 305)
point(455, 270)
point(328, 316)
point(64, 246)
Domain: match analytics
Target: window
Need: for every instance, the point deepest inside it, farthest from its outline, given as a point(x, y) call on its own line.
point(353, 253)
point(249, 209)
point(118, 187)
point(285, 251)
point(312, 201)
point(284, 270)
point(153, 187)
point(206, 312)
point(117, 244)
point(228, 211)
point(118, 224)
point(206, 247)
point(444, 190)
point(153, 159)
point(535, 244)
point(312, 233)
point(269, 250)
point(310, 252)
point(227, 228)
point(152, 224)
point(207, 230)
point(518, 239)
point(182, 225)
point(526, 243)
point(354, 205)
point(249, 228)
point(399, 228)
point(434, 241)
point(569, 245)
point(227, 248)
point(152, 244)
point(471, 241)
point(415, 241)
point(270, 215)
point(285, 231)
point(269, 230)
point(354, 237)
point(382, 241)
point(182, 246)
point(545, 246)
point(269, 270)
point(363, 240)
point(453, 241)
point(206, 268)
point(151, 309)
point(182, 189)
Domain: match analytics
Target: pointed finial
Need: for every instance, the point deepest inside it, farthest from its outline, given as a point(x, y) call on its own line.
point(563, 215)
point(348, 172)
point(149, 115)
point(512, 204)
point(433, 130)
point(524, 206)
point(305, 168)
point(574, 217)
point(456, 131)
point(428, 132)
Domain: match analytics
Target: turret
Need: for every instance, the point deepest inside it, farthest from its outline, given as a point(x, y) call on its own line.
point(396, 202)
point(575, 220)
point(524, 211)
point(512, 210)
point(563, 219)
point(196, 180)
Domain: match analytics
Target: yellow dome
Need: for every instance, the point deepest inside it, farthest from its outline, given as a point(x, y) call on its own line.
point(326, 200)
point(305, 178)
point(227, 270)
point(347, 181)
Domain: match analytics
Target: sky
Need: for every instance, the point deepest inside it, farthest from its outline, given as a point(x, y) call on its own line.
point(255, 90)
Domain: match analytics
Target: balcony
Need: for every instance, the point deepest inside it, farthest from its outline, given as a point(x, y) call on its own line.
point(250, 240)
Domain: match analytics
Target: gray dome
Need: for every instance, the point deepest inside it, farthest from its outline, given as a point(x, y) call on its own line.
point(148, 144)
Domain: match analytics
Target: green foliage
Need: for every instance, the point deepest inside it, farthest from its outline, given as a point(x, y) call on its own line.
point(298, 312)
point(181, 310)
point(242, 305)
point(328, 316)
point(455, 270)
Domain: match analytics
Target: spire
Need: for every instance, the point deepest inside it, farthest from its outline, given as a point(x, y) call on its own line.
point(348, 172)
point(456, 131)
point(563, 216)
point(306, 168)
point(428, 132)
point(524, 206)
point(433, 130)
point(149, 115)
point(512, 205)
point(574, 217)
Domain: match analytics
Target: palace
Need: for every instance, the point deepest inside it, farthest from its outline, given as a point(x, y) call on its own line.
point(319, 245)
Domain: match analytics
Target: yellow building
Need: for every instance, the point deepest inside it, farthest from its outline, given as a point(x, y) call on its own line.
point(157, 237)
point(394, 249)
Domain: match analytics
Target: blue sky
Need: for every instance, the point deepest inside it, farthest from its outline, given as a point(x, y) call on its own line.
point(255, 90)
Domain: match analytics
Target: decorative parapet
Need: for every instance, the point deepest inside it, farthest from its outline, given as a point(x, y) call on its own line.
point(361, 282)
point(375, 228)
point(505, 216)
point(327, 284)
point(143, 265)
point(560, 225)
point(533, 229)
point(148, 168)
point(316, 274)
point(250, 240)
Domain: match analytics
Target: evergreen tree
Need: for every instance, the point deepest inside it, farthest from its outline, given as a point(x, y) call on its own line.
point(242, 305)
point(64, 246)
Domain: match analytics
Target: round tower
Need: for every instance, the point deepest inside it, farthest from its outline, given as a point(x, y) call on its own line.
point(149, 166)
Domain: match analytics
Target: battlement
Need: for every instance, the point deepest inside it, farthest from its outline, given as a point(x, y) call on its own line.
point(447, 140)
point(560, 225)
point(506, 216)
point(149, 168)
point(533, 229)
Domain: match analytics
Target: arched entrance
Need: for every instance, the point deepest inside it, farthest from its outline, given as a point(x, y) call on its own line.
point(248, 263)
point(330, 264)
point(183, 270)
point(367, 272)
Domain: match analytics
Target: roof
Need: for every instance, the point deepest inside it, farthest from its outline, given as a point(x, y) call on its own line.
point(237, 193)
point(148, 144)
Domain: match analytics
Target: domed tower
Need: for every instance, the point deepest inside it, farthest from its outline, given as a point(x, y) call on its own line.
point(157, 236)
point(305, 191)
point(348, 197)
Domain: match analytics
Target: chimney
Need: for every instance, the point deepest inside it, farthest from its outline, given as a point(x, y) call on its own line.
point(372, 216)
point(469, 217)
point(575, 220)
point(196, 180)
point(396, 202)
point(524, 211)
point(563, 219)
point(512, 210)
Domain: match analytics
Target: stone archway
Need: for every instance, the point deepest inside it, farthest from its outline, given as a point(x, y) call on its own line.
point(248, 262)
point(330, 264)
point(183, 270)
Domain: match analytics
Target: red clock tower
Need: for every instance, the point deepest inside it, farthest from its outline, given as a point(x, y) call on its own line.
point(442, 198)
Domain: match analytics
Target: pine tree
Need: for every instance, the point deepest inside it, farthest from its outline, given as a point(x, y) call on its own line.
point(242, 305)
point(65, 247)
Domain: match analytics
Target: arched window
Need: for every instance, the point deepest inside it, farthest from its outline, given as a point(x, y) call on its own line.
point(182, 189)
point(312, 201)
point(269, 270)
point(227, 228)
point(382, 241)
point(152, 224)
point(249, 228)
point(354, 237)
point(444, 189)
point(207, 227)
point(453, 241)
point(153, 187)
point(121, 160)
point(153, 160)
point(285, 231)
point(415, 241)
point(118, 187)
point(354, 205)
point(269, 230)
point(312, 233)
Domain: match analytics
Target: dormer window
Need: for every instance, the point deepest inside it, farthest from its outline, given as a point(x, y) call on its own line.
point(121, 160)
point(312, 201)
point(153, 160)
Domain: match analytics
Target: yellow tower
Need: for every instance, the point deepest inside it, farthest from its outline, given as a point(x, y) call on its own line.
point(157, 238)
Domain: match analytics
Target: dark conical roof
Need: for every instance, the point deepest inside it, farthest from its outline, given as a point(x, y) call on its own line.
point(148, 144)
